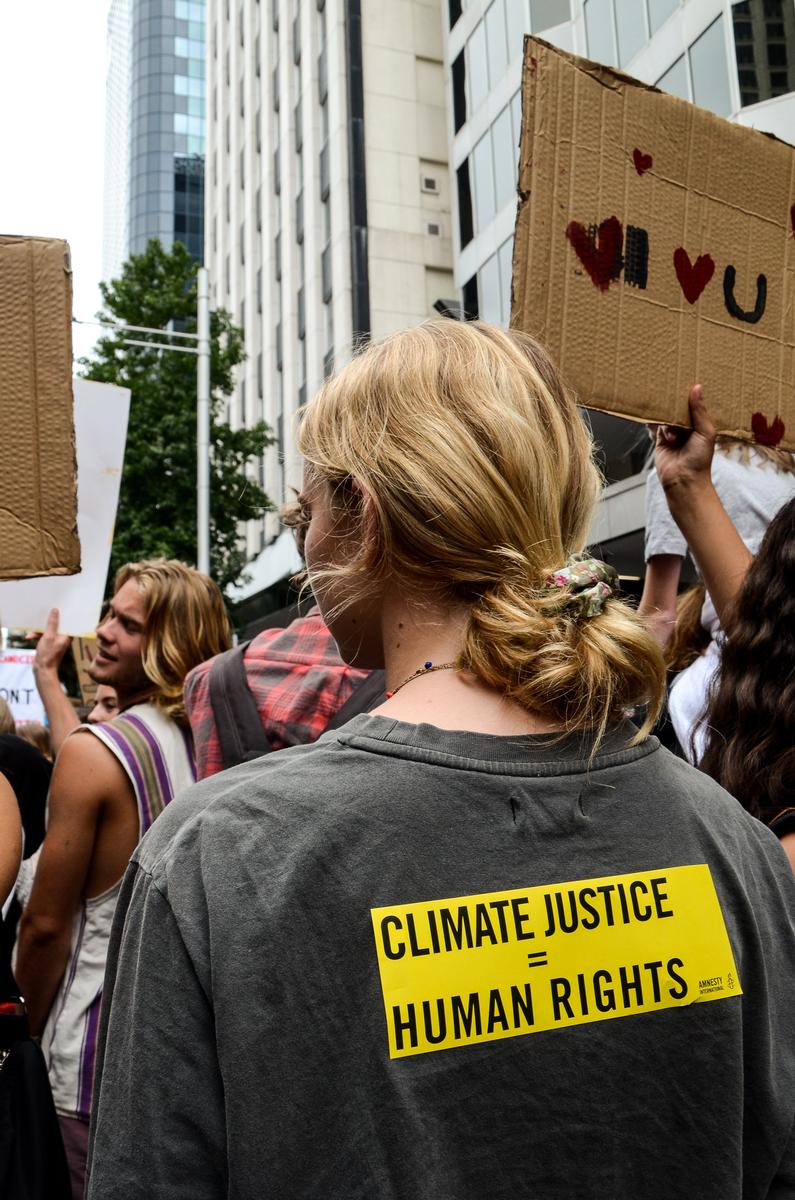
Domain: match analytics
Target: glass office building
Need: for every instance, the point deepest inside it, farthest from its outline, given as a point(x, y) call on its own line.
point(157, 48)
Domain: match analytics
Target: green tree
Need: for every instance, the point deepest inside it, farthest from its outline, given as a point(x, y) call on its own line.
point(157, 505)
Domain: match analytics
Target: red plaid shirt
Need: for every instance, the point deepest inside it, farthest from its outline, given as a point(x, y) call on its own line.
point(297, 678)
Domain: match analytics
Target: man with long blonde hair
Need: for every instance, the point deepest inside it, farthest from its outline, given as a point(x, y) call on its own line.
point(107, 789)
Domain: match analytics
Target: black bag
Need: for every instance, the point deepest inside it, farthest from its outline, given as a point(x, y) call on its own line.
point(32, 1158)
point(241, 735)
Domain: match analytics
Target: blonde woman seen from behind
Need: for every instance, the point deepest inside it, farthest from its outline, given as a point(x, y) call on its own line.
point(490, 939)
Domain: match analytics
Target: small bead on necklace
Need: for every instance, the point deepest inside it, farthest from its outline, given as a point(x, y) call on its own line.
point(426, 669)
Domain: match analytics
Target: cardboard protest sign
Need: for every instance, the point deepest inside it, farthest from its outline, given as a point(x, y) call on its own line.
point(101, 412)
point(655, 248)
point(18, 685)
point(83, 651)
point(38, 515)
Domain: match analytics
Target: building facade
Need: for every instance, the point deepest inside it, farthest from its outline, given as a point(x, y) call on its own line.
point(736, 59)
point(327, 202)
point(155, 116)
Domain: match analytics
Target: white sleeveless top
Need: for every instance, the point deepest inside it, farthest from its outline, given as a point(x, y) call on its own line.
point(157, 755)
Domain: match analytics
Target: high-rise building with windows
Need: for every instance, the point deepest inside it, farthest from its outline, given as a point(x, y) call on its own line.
point(155, 113)
point(327, 202)
point(736, 59)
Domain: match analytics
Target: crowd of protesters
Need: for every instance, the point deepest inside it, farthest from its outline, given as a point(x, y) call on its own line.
point(468, 711)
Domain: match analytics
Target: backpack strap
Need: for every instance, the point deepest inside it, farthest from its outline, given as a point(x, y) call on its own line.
point(783, 822)
point(367, 694)
point(240, 732)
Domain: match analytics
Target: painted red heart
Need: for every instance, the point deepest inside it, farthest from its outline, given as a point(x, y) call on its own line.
point(642, 161)
point(693, 277)
point(600, 256)
point(767, 435)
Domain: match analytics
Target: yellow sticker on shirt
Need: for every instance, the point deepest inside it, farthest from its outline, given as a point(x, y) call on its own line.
point(478, 968)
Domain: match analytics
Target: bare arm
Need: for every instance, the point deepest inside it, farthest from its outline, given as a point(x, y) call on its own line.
point(52, 646)
point(10, 839)
point(658, 602)
point(683, 461)
point(80, 782)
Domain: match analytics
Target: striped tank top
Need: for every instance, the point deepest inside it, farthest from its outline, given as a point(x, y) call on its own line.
point(157, 755)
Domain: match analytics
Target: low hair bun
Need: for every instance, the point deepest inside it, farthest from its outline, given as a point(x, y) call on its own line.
point(551, 657)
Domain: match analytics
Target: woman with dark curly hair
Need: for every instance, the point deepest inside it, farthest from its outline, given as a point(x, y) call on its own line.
point(750, 718)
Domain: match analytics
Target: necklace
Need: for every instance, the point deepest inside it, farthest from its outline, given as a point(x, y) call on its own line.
point(426, 669)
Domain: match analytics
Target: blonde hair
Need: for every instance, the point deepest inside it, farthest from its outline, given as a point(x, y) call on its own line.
point(186, 623)
point(7, 722)
point(689, 639)
point(480, 473)
point(782, 460)
point(38, 735)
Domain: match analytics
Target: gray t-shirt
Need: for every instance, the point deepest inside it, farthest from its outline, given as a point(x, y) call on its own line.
point(250, 1046)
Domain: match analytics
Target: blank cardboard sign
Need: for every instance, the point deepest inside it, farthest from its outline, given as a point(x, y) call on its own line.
point(655, 249)
point(38, 504)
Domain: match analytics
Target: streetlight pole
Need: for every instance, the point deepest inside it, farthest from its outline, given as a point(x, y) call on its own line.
point(203, 423)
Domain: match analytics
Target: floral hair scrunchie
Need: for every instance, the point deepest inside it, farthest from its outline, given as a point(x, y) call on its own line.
point(589, 581)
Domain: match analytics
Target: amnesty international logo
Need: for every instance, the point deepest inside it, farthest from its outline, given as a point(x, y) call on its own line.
point(479, 968)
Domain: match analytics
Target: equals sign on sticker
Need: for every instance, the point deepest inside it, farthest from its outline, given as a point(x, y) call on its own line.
point(537, 959)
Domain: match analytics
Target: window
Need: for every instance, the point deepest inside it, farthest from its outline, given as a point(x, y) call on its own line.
point(710, 70)
point(505, 174)
point(477, 68)
point(299, 217)
point(469, 299)
point(325, 273)
point(495, 40)
point(484, 182)
point(322, 75)
point(675, 80)
point(631, 28)
point(489, 298)
point(546, 13)
point(299, 127)
point(599, 31)
point(517, 25)
point(459, 92)
point(324, 173)
point(505, 256)
point(465, 223)
point(516, 122)
point(454, 11)
point(660, 11)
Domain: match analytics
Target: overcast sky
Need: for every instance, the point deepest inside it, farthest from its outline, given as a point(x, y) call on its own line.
point(52, 93)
